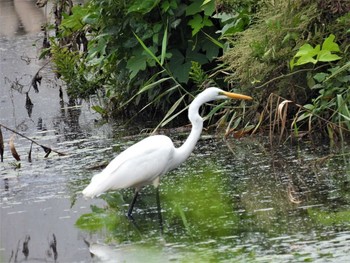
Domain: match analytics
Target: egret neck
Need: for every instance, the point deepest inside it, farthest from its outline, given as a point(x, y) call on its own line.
point(184, 151)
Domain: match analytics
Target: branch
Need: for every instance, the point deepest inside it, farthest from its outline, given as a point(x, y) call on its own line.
point(47, 149)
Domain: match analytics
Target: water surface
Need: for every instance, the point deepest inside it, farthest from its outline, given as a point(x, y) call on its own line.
point(232, 201)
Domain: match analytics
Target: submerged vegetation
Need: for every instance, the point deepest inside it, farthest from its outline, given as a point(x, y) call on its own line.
point(152, 57)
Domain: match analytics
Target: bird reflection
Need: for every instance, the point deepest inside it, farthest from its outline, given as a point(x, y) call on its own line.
point(127, 253)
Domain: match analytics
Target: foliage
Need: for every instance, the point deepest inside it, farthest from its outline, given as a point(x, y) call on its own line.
point(307, 53)
point(143, 54)
point(154, 56)
point(332, 101)
point(286, 35)
point(261, 51)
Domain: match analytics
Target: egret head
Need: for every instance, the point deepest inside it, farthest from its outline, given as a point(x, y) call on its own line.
point(214, 93)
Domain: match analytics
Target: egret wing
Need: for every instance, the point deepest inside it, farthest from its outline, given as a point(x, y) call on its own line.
point(137, 166)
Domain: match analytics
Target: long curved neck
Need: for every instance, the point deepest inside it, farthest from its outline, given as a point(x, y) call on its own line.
point(184, 151)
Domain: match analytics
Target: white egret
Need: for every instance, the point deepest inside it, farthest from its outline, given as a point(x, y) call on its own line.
point(146, 161)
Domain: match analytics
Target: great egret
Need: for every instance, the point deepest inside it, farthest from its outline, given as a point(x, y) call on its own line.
point(146, 161)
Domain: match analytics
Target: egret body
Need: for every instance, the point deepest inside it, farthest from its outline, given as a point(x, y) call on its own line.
point(146, 161)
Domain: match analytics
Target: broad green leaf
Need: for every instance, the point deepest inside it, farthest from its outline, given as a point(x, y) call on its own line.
point(194, 8)
point(90, 19)
point(207, 21)
point(305, 59)
point(196, 24)
point(330, 45)
point(211, 50)
point(342, 107)
point(136, 64)
point(306, 49)
point(309, 106)
point(337, 70)
point(179, 67)
point(320, 76)
point(326, 56)
point(209, 7)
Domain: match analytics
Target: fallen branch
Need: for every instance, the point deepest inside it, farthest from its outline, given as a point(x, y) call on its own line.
point(47, 149)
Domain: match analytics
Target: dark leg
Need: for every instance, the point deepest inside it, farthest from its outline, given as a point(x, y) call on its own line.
point(159, 212)
point(131, 206)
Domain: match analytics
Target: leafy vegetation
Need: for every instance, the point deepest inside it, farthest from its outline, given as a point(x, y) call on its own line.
point(287, 51)
point(149, 51)
point(152, 57)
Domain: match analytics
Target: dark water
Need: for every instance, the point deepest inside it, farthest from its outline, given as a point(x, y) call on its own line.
point(232, 201)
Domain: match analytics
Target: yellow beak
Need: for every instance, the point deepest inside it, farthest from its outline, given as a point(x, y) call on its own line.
point(236, 96)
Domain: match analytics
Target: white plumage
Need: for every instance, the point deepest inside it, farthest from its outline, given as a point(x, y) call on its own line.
point(146, 161)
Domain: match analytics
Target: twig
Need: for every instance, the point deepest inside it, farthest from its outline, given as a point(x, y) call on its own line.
point(46, 148)
point(36, 78)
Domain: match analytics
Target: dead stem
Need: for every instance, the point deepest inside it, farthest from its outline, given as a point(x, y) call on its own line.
point(47, 149)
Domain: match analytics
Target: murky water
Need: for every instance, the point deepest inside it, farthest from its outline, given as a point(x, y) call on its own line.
point(232, 201)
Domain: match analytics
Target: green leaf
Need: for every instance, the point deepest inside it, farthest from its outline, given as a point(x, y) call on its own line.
point(309, 107)
point(306, 50)
point(143, 6)
point(167, 117)
point(164, 45)
point(90, 19)
point(136, 64)
point(211, 50)
point(99, 109)
point(194, 8)
point(179, 67)
point(196, 24)
point(147, 50)
point(330, 45)
point(305, 59)
point(152, 85)
point(326, 56)
point(208, 7)
point(216, 42)
point(303, 116)
point(320, 76)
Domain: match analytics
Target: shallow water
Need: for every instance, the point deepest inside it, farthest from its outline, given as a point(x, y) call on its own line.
point(232, 201)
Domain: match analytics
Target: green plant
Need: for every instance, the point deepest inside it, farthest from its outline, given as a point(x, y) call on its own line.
point(331, 105)
point(143, 54)
point(260, 52)
point(308, 54)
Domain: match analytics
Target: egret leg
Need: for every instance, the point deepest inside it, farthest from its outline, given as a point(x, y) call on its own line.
point(159, 211)
point(131, 206)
